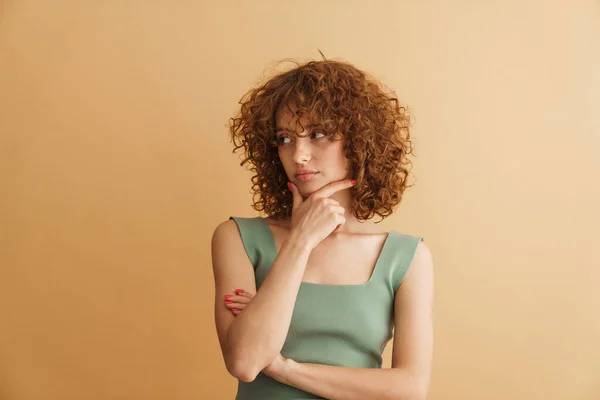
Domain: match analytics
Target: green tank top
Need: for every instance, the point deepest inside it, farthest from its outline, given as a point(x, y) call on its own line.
point(342, 325)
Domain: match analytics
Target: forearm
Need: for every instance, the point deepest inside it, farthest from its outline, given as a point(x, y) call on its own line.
point(257, 335)
point(332, 382)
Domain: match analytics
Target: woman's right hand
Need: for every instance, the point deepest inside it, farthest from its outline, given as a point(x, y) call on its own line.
point(318, 216)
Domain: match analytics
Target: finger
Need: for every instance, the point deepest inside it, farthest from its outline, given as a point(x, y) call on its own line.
point(239, 299)
point(339, 209)
point(235, 311)
point(338, 228)
point(341, 224)
point(328, 190)
point(333, 202)
point(241, 292)
point(233, 304)
point(296, 195)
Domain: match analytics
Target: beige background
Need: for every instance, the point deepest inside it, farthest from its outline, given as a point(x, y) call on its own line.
point(115, 168)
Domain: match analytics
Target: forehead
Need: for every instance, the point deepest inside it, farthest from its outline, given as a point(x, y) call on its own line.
point(286, 117)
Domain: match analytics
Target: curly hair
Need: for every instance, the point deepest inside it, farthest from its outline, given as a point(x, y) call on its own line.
point(348, 104)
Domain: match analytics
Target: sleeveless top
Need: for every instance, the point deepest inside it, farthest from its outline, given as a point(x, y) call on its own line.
point(342, 325)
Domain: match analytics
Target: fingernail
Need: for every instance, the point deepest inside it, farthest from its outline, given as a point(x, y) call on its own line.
point(353, 181)
point(235, 309)
point(228, 296)
point(229, 302)
point(289, 186)
point(239, 291)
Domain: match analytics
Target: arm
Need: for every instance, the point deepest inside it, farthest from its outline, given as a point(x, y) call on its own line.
point(408, 379)
point(252, 340)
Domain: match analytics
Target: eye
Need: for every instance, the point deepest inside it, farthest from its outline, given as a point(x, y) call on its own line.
point(318, 133)
point(281, 139)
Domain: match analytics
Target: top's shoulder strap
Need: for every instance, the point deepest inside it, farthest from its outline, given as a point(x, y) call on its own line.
point(253, 237)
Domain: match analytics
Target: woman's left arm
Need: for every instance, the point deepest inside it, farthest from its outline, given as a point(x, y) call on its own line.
point(409, 377)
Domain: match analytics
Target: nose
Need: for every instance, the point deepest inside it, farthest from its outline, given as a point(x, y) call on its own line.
point(302, 150)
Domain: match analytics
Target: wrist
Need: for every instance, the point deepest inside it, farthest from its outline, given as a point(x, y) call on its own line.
point(286, 369)
point(298, 242)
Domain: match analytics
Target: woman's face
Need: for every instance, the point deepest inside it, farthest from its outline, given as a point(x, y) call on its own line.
point(315, 152)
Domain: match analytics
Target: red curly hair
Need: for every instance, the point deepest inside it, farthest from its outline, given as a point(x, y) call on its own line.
point(348, 104)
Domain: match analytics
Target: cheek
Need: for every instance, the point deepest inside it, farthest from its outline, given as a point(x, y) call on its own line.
point(282, 157)
point(336, 158)
point(285, 161)
point(340, 155)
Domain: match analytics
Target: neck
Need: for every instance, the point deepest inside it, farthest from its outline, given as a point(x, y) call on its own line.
point(352, 225)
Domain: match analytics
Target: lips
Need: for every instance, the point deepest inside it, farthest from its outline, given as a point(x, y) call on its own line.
point(306, 177)
point(305, 171)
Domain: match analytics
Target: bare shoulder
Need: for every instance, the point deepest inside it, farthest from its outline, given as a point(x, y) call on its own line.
point(423, 256)
point(225, 233)
point(231, 264)
point(420, 271)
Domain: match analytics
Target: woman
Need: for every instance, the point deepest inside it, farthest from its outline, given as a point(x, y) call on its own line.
point(320, 286)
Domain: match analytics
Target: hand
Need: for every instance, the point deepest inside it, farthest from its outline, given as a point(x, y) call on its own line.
point(318, 216)
point(238, 301)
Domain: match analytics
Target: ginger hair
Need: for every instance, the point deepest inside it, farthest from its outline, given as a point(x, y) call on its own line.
point(347, 103)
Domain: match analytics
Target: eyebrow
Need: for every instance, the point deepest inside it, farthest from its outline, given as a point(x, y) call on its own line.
point(307, 126)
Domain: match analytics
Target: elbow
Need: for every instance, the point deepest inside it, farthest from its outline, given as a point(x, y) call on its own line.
point(245, 363)
point(242, 371)
point(245, 375)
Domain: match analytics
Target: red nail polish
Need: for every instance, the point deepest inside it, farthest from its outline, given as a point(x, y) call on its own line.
point(353, 181)
point(229, 302)
point(289, 186)
point(228, 296)
point(239, 291)
point(235, 309)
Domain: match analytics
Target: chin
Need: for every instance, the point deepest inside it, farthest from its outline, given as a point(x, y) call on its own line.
point(308, 188)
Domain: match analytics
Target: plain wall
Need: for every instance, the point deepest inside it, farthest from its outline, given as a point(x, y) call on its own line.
point(115, 168)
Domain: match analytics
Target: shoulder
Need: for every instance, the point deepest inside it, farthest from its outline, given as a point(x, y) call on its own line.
point(228, 249)
point(224, 229)
point(234, 225)
point(225, 234)
point(420, 270)
point(422, 255)
point(412, 246)
point(422, 261)
point(413, 242)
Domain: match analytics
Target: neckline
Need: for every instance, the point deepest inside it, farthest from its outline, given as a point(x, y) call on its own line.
point(273, 246)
